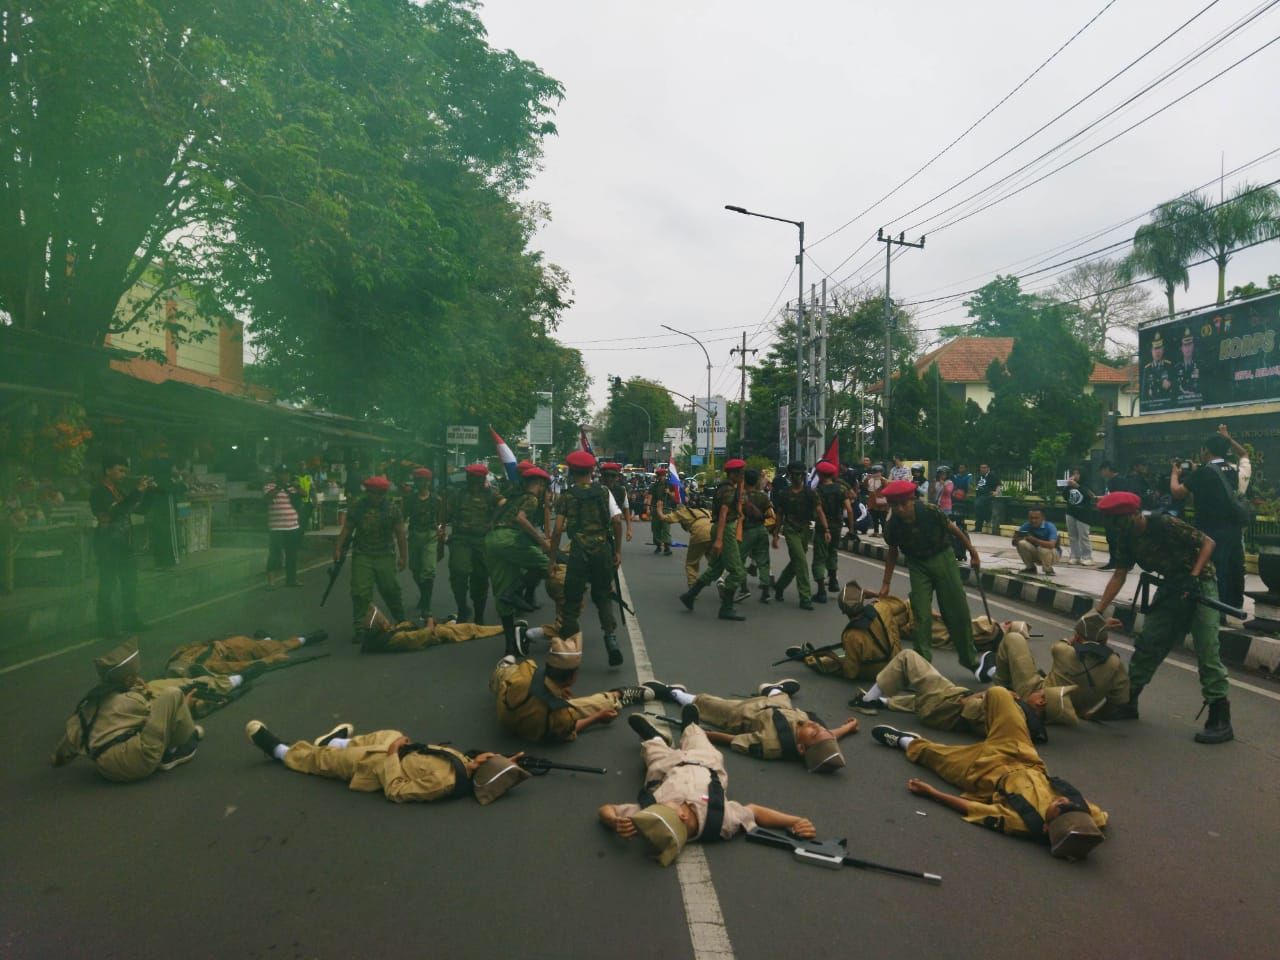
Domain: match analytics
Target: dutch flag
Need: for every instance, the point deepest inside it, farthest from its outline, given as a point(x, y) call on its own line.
point(506, 456)
point(673, 478)
point(582, 440)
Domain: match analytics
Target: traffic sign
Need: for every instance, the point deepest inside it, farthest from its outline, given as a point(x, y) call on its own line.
point(459, 436)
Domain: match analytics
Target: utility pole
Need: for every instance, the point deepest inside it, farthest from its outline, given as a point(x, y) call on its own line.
point(889, 244)
point(742, 393)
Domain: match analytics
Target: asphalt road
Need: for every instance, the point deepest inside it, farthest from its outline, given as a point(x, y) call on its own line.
point(233, 856)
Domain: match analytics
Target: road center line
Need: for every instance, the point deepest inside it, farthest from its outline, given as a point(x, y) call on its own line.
point(702, 912)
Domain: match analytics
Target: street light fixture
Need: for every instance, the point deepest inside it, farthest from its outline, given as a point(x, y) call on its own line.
point(799, 416)
point(711, 422)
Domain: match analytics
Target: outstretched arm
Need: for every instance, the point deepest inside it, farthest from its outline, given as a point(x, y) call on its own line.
point(622, 826)
point(767, 817)
point(949, 800)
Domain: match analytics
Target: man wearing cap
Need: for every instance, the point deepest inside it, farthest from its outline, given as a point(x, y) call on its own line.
point(923, 534)
point(696, 521)
point(516, 550)
point(469, 515)
point(383, 636)
point(588, 515)
point(130, 728)
point(235, 654)
point(536, 703)
point(660, 495)
point(426, 533)
point(726, 559)
point(387, 760)
point(870, 639)
point(1006, 785)
point(1083, 664)
point(381, 550)
point(798, 507)
point(684, 796)
point(836, 499)
point(1157, 376)
point(757, 514)
point(284, 529)
point(1179, 554)
point(611, 478)
point(767, 726)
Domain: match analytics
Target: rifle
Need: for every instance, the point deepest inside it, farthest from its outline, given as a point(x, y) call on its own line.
point(830, 853)
point(806, 651)
point(1146, 580)
point(335, 570)
point(616, 593)
point(541, 766)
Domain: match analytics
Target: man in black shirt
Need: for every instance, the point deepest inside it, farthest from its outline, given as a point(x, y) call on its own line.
point(985, 486)
point(1213, 485)
point(113, 503)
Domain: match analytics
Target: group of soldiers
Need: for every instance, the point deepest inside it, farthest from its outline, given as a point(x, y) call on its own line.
point(131, 728)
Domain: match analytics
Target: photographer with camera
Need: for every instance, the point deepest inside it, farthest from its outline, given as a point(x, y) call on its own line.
point(113, 505)
point(1220, 512)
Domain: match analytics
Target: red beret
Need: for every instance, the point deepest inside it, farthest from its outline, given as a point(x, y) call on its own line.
point(734, 464)
point(899, 490)
point(423, 473)
point(536, 473)
point(377, 483)
point(476, 469)
point(827, 468)
point(660, 470)
point(615, 467)
point(1120, 504)
point(524, 465)
point(580, 460)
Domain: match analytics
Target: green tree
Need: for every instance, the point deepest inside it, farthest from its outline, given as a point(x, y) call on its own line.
point(1162, 249)
point(1216, 229)
point(638, 410)
point(1251, 289)
point(999, 309)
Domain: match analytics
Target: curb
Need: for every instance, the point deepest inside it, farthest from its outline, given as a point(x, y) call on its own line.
point(1238, 648)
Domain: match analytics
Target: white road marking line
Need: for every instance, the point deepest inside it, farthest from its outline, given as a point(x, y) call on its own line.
point(167, 616)
point(702, 912)
point(1054, 615)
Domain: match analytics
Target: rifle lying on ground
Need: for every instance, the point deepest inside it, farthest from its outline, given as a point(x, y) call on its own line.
point(829, 853)
point(335, 570)
point(1147, 580)
point(541, 766)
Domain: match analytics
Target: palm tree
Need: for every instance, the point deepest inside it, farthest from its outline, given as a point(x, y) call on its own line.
point(1251, 214)
point(1162, 249)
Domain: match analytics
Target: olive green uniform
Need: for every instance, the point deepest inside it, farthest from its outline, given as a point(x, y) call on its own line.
point(1169, 548)
point(406, 776)
point(1097, 674)
point(834, 497)
point(660, 492)
point(797, 509)
point(555, 590)
point(514, 560)
point(765, 727)
point(755, 535)
point(126, 733)
point(588, 526)
point(373, 557)
point(533, 707)
point(423, 517)
point(729, 561)
point(926, 544)
point(470, 516)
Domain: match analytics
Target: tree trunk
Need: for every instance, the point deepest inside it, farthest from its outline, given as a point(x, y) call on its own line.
point(1168, 292)
point(1222, 280)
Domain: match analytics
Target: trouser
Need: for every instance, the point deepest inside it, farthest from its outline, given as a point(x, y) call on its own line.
point(931, 697)
point(797, 563)
point(162, 529)
point(755, 549)
point(338, 763)
point(555, 590)
point(169, 724)
point(1081, 545)
point(1228, 561)
point(228, 655)
point(514, 561)
point(1031, 555)
point(534, 727)
point(939, 574)
point(406, 641)
point(979, 767)
point(117, 569)
point(282, 549)
point(583, 570)
point(736, 715)
point(982, 514)
point(1016, 667)
point(422, 564)
point(1163, 628)
point(729, 563)
point(468, 575)
point(699, 547)
point(695, 748)
point(661, 531)
point(825, 556)
point(367, 571)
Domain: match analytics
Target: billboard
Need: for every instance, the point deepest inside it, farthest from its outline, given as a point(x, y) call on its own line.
point(1228, 354)
point(720, 438)
point(539, 429)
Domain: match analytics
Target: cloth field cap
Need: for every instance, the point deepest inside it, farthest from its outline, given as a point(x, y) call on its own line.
point(851, 599)
point(566, 652)
point(476, 469)
point(524, 466)
point(899, 490)
point(824, 756)
point(611, 466)
point(826, 468)
point(734, 464)
point(1093, 627)
point(119, 661)
point(377, 483)
point(495, 777)
point(1073, 834)
point(1058, 707)
point(580, 460)
point(1120, 504)
point(664, 831)
point(422, 473)
point(986, 630)
point(535, 473)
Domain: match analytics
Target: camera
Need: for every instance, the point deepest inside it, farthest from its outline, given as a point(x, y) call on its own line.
point(1184, 465)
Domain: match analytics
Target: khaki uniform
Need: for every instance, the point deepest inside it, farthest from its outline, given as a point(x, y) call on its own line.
point(1097, 680)
point(697, 523)
point(1005, 763)
point(130, 731)
point(867, 645)
point(755, 721)
point(933, 698)
point(366, 766)
point(535, 708)
point(405, 637)
point(227, 656)
point(984, 636)
point(677, 775)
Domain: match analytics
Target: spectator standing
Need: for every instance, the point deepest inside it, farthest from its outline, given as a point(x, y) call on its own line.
point(1037, 542)
point(1112, 482)
point(986, 486)
point(1215, 486)
point(284, 526)
point(876, 503)
point(113, 508)
point(898, 471)
point(1079, 508)
point(944, 491)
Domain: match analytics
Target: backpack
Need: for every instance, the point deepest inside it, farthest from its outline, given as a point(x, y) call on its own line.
point(1238, 510)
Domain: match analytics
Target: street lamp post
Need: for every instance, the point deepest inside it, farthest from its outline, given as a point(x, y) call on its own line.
point(648, 423)
point(711, 420)
point(800, 330)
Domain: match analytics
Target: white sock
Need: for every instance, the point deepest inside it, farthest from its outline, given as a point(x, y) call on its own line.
point(904, 742)
point(682, 698)
point(875, 693)
point(337, 743)
point(235, 680)
point(773, 691)
point(302, 641)
point(535, 633)
point(279, 751)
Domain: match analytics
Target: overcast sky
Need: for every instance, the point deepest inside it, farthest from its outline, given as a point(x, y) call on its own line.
point(814, 110)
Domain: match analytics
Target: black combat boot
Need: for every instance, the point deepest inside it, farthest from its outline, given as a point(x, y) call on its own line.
point(832, 583)
point(479, 620)
point(657, 548)
point(666, 549)
point(509, 632)
point(1217, 729)
point(1125, 711)
point(690, 595)
point(777, 592)
point(611, 647)
point(726, 606)
point(765, 590)
point(821, 595)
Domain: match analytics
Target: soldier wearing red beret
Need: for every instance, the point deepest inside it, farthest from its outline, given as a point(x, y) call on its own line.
point(470, 514)
point(611, 479)
point(379, 552)
point(426, 535)
point(726, 557)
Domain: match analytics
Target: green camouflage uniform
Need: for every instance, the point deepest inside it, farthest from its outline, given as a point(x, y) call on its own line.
point(514, 560)
point(729, 561)
point(470, 515)
point(796, 511)
point(660, 492)
point(423, 517)
point(755, 537)
point(373, 557)
point(589, 529)
point(833, 497)
point(1169, 547)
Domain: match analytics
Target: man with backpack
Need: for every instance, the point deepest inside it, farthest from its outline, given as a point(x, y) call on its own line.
point(1221, 513)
